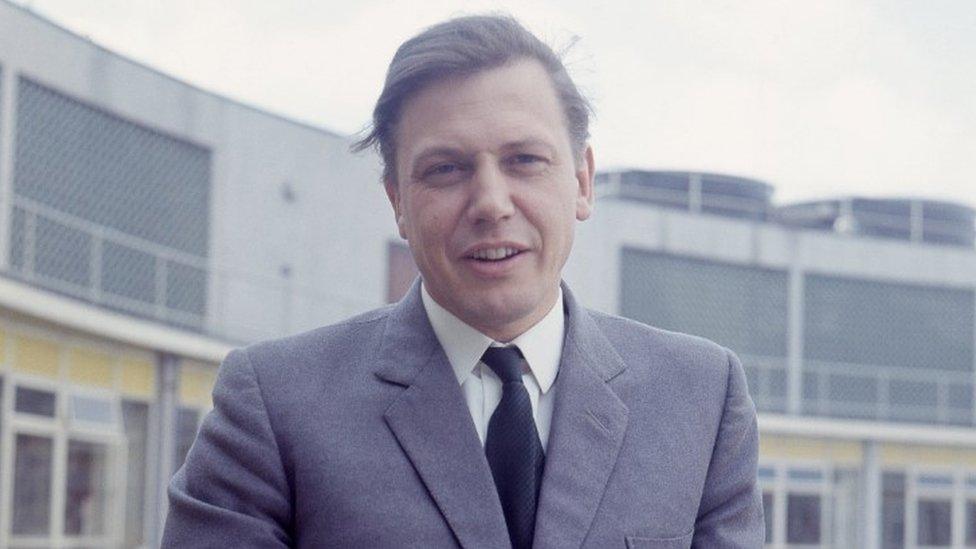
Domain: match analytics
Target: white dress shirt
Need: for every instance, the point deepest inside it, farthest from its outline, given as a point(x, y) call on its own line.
point(541, 346)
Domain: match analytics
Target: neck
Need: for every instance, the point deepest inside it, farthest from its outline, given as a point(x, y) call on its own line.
point(505, 333)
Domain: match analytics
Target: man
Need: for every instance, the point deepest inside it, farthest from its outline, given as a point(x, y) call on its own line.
point(488, 408)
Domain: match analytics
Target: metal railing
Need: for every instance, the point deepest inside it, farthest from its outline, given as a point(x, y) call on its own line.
point(863, 391)
point(84, 270)
point(915, 227)
point(695, 200)
point(110, 268)
point(944, 397)
point(767, 380)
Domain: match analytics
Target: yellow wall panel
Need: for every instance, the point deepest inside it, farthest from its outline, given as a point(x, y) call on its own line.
point(816, 449)
point(904, 455)
point(196, 383)
point(3, 346)
point(138, 378)
point(91, 368)
point(37, 356)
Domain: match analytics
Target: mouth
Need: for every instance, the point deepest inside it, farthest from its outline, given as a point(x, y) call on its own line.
point(494, 255)
point(495, 262)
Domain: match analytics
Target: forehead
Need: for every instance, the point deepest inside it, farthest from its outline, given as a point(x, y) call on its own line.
point(514, 102)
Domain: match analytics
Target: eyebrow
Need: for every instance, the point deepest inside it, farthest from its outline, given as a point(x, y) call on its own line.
point(530, 143)
point(455, 152)
point(437, 151)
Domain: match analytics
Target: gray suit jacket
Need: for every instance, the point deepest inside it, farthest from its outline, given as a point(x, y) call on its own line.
point(358, 435)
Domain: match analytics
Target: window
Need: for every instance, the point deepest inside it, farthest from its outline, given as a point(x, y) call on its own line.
point(935, 522)
point(803, 518)
point(33, 460)
point(893, 510)
point(741, 307)
point(92, 410)
point(767, 499)
point(86, 492)
point(101, 169)
point(186, 431)
point(887, 324)
point(135, 416)
point(971, 523)
point(36, 402)
point(863, 340)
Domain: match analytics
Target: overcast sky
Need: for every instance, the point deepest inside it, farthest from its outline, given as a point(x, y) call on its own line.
point(832, 97)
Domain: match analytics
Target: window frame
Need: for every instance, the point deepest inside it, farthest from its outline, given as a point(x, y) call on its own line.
point(60, 429)
point(781, 486)
point(955, 492)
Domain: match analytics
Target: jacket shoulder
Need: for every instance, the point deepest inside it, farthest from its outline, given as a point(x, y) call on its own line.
point(340, 343)
point(641, 344)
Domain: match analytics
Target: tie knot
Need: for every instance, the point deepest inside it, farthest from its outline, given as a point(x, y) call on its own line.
point(506, 362)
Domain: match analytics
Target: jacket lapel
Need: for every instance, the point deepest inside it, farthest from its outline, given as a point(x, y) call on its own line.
point(432, 424)
point(588, 426)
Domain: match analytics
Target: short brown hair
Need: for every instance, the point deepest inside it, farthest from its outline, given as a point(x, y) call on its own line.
point(459, 47)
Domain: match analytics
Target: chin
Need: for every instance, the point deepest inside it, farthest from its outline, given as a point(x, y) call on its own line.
point(504, 308)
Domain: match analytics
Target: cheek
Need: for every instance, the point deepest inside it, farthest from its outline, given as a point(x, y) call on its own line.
point(433, 235)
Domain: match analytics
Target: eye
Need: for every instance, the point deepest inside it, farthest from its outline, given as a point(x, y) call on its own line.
point(443, 173)
point(526, 159)
point(442, 169)
point(527, 164)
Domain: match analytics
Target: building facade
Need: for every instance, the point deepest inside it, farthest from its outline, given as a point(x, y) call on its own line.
point(148, 226)
point(858, 346)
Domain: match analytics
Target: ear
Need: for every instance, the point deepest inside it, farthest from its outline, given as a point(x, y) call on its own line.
point(393, 193)
point(585, 170)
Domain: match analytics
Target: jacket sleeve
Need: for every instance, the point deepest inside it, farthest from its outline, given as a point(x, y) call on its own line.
point(730, 514)
point(232, 490)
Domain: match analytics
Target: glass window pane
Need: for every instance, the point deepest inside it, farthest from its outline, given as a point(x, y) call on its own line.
point(888, 324)
point(186, 431)
point(943, 481)
point(33, 456)
point(893, 511)
point(93, 410)
point(87, 488)
point(768, 512)
point(935, 522)
point(971, 523)
point(806, 475)
point(802, 518)
point(741, 307)
point(135, 415)
point(34, 401)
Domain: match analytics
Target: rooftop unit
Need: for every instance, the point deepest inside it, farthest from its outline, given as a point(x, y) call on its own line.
point(697, 192)
point(916, 220)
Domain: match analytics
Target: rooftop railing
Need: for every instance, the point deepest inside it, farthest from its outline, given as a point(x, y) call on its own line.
point(112, 269)
point(863, 391)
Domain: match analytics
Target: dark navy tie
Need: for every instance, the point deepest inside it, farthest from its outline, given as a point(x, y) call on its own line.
point(513, 448)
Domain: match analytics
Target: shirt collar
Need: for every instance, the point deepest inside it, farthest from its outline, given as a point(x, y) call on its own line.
point(541, 344)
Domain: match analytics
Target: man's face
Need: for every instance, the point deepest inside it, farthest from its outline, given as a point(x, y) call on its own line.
point(487, 194)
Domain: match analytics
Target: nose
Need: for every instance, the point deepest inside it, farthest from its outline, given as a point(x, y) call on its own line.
point(491, 195)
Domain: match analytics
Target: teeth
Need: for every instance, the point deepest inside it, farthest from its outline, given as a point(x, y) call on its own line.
point(495, 254)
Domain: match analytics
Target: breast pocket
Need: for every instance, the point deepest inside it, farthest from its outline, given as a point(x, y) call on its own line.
point(640, 542)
